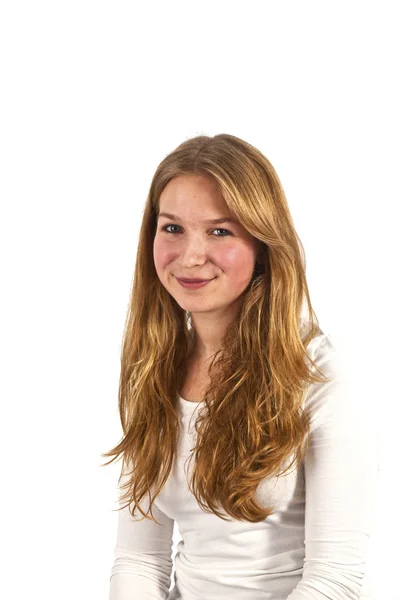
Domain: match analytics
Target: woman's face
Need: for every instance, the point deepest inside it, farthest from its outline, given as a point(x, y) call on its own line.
point(187, 246)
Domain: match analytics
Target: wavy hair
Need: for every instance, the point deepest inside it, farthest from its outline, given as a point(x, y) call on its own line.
point(252, 421)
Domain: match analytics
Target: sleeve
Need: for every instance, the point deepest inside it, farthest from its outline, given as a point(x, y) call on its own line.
point(341, 473)
point(142, 557)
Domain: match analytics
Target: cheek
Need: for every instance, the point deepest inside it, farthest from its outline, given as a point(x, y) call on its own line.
point(238, 261)
point(162, 253)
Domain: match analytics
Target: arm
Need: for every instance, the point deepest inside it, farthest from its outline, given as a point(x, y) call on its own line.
point(142, 556)
point(341, 468)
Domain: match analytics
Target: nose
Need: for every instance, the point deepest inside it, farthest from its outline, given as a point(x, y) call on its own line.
point(193, 251)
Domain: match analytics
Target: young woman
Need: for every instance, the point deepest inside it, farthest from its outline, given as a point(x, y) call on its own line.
point(238, 422)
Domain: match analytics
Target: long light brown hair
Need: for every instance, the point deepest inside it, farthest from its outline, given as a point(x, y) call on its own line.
point(252, 420)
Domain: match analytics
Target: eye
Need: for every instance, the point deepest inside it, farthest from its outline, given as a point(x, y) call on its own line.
point(165, 228)
point(226, 230)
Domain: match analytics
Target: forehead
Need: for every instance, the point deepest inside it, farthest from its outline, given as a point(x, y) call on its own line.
point(193, 194)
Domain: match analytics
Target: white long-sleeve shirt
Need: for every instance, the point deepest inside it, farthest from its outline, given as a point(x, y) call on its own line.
point(313, 547)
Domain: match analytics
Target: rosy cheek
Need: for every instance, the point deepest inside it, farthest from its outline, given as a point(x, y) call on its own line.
point(162, 254)
point(230, 257)
point(156, 254)
point(238, 264)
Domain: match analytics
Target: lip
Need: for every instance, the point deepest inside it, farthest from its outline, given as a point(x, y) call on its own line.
point(192, 280)
point(193, 283)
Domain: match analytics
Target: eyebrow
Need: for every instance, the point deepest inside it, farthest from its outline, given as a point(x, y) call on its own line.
point(208, 221)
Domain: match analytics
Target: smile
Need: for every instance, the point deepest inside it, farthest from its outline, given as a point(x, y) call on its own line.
point(193, 285)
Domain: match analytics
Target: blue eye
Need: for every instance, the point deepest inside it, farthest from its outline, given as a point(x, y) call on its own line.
point(166, 226)
point(217, 229)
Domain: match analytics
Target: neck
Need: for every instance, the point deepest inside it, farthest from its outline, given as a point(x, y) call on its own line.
point(209, 330)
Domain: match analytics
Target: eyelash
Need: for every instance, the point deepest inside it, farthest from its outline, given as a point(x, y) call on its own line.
point(164, 228)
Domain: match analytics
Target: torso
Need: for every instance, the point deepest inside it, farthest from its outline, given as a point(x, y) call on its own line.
point(196, 382)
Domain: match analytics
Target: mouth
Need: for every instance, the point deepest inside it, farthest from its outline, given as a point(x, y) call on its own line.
point(192, 280)
point(193, 283)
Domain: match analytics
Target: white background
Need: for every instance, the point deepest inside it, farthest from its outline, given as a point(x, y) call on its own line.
point(93, 96)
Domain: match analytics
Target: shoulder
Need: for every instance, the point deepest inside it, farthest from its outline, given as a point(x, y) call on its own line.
point(323, 352)
point(330, 398)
